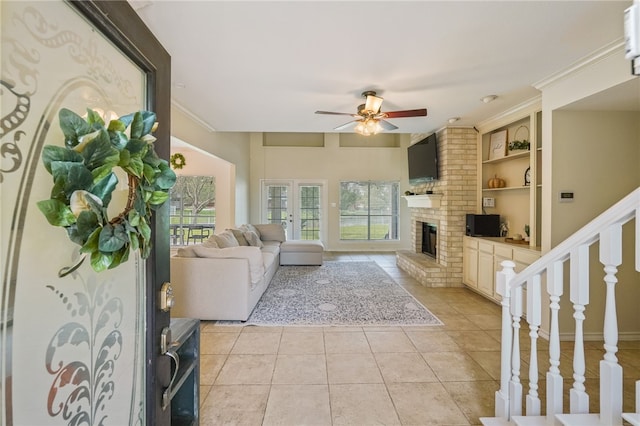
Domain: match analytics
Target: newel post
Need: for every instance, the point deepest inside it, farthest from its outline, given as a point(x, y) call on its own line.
point(503, 287)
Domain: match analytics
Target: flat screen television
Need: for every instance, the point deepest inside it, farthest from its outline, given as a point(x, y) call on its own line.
point(423, 160)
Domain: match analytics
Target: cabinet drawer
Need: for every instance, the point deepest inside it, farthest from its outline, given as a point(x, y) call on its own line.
point(485, 247)
point(526, 257)
point(503, 251)
point(471, 243)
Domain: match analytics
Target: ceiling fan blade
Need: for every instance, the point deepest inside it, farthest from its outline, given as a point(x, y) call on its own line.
point(406, 113)
point(386, 125)
point(348, 125)
point(337, 113)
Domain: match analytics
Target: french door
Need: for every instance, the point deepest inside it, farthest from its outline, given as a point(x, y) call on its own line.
point(299, 205)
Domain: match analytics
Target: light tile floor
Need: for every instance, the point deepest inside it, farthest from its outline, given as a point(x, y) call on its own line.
point(421, 375)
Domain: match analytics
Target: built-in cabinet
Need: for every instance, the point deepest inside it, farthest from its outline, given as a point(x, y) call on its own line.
point(482, 258)
point(518, 200)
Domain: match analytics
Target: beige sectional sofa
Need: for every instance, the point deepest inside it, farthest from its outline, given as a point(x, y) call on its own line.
point(224, 277)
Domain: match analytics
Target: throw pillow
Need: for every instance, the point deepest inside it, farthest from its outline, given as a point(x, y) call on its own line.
point(226, 239)
point(272, 232)
point(249, 227)
point(238, 233)
point(253, 239)
point(210, 242)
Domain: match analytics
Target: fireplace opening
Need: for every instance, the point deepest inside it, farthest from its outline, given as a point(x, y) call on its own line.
point(429, 239)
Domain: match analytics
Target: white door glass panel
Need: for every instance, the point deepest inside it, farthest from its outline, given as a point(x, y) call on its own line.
point(72, 349)
point(276, 199)
point(298, 204)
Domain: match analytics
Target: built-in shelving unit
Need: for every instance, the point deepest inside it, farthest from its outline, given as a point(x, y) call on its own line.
point(517, 203)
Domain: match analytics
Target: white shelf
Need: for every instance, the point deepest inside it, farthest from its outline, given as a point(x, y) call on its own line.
point(519, 154)
point(429, 201)
point(508, 188)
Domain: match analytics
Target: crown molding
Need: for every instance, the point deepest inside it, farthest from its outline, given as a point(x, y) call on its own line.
point(192, 116)
point(604, 52)
point(528, 106)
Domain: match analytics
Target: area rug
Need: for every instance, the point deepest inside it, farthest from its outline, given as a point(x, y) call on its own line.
point(338, 293)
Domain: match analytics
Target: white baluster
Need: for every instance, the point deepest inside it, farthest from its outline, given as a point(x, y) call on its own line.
point(534, 318)
point(515, 387)
point(610, 370)
point(555, 283)
point(503, 281)
point(579, 295)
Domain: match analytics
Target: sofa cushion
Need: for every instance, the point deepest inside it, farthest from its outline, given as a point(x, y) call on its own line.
point(271, 246)
point(304, 246)
point(239, 234)
point(272, 232)
point(253, 239)
point(252, 254)
point(186, 252)
point(268, 259)
point(225, 239)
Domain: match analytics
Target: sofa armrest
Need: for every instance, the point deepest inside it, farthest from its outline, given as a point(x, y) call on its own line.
point(211, 289)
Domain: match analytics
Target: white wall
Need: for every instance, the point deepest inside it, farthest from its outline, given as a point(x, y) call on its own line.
point(606, 69)
point(334, 164)
point(596, 155)
point(232, 147)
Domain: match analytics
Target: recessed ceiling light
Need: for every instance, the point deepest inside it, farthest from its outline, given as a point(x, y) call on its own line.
point(488, 98)
point(453, 120)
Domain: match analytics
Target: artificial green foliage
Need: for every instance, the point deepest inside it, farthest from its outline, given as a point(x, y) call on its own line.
point(84, 180)
point(517, 145)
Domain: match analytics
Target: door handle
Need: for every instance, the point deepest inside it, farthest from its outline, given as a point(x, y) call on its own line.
point(167, 348)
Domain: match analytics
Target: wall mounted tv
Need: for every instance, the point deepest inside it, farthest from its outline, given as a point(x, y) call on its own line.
point(423, 160)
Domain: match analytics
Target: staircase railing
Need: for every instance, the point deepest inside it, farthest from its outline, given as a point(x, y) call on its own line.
point(607, 229)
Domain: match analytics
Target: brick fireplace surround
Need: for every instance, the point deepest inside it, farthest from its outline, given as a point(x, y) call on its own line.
point(457, 167)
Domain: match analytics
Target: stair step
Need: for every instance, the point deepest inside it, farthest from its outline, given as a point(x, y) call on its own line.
point(579, 419)
point(495, 421)
point(529, 420)
point(633, 418)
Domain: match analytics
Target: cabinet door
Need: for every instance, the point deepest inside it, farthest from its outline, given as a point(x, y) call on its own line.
point(470, 267)
point(485, 273)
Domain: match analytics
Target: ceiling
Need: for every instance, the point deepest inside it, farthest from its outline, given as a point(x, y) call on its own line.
point(267, 66)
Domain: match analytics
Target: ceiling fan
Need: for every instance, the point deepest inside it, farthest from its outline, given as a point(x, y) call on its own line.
point(369, 120)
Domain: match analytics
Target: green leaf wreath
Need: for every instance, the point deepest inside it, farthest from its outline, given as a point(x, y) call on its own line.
point(83, 181)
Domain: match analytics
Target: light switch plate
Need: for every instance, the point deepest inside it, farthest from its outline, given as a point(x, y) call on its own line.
point(488, 202)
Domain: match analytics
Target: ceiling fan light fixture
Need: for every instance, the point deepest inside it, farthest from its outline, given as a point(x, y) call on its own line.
point(368, 127)
point(373, 104)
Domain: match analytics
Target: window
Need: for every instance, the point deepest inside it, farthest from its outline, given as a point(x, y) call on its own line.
point(369, 210)
point(193, 212)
